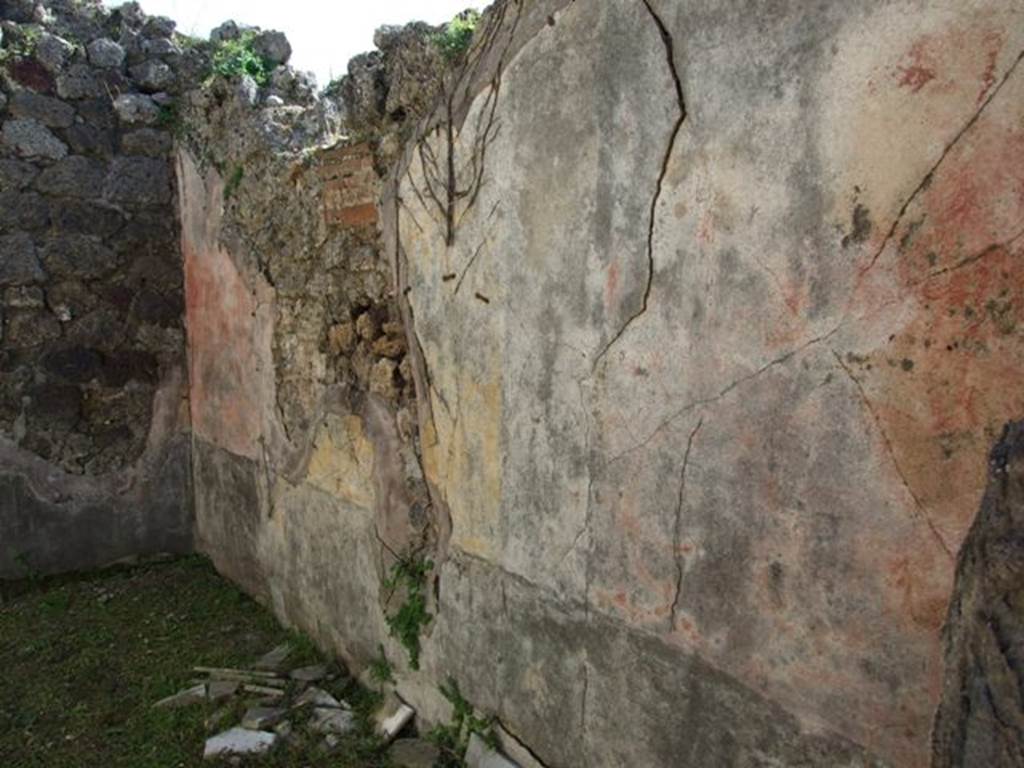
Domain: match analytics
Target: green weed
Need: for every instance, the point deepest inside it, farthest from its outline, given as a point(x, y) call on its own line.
point(457, 34)
point(410, 575)
point(234, 58)
point(380, 669)
point(453, 739)
point(231, 185)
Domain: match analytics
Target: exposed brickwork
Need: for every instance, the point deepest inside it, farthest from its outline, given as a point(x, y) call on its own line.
point(351, 186)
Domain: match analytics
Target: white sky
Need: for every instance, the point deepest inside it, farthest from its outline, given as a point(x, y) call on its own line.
point(324, 35)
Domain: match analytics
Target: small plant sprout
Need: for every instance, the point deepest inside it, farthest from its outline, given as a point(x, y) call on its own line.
point(410, 575)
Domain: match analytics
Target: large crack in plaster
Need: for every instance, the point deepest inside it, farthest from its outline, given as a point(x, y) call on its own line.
point(922, 514)
point(711, 400)
point(668, 42)
point(678, 526)
point(927, 179)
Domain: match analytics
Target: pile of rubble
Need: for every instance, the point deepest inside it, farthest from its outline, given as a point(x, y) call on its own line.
point(272, 705)
point(281, 706)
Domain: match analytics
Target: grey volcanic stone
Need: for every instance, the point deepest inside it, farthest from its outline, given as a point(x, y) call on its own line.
point(104, 52)
point(138, 181)
point(89, 140)
point(77, 256)
point(161, 46)
point(273, 46)
point(23, 210)
point(146, 141)
point(132, 14)
point(229, 30)
point(978, 721)
point(20, 11)
point(24, 297)
point(135, 108)
point(83, 217)
point(74, 176)
point(79, 82)
point(16, 174)
point(98, 112)
point(152, 75)
point(159, 26)
point(47, 110)
point(53, 52)
point(247, 90)
point(3, 101)
point(31, 328)
point(18, 262)
point(30, 138)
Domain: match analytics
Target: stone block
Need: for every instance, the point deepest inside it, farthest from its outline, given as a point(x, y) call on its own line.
point(238, 741)
point(136, 109)
point(194, 695)
point(82, 217)
point(47, 110)
point(79, 82)
point(138, 181)
point(53, 52)
point(104, 52)
point(73, 176)
point(30, 138)
point(77, 256)
point(152, 75)
point(23, 211)
point(258, 718)
point(273, 46)
point(146, 141)
point(19, 264)
point(16, 174)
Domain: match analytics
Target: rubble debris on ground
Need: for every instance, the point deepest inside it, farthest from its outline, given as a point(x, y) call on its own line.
point(267, 705)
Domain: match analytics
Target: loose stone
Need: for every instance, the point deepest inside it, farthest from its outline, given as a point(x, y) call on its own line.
point(239, 741)
point(193, 695)
point(258, 718)
point(309, 674)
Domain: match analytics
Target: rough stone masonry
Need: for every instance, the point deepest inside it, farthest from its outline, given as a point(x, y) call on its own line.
point(94, 444)
point(668, 340)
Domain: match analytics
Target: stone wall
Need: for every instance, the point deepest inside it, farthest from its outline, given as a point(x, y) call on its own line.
point(94, 447)
point(668, 338)
point(308, 484)
point(736, 317)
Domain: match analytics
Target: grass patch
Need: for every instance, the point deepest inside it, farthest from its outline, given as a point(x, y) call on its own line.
point(85, 657)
